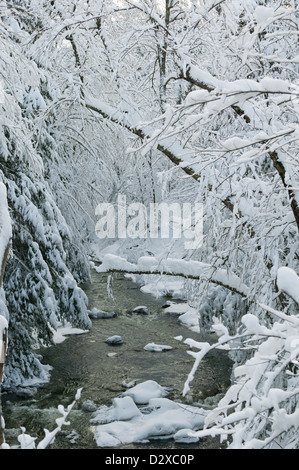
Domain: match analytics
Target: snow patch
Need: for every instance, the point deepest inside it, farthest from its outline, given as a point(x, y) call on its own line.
point(145, 391)
point(63, 332)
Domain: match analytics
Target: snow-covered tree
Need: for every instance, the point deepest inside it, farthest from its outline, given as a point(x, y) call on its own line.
point(39, 283)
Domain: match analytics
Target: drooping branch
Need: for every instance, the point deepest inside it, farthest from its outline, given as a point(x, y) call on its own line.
point(111, 114)
point(175, 267)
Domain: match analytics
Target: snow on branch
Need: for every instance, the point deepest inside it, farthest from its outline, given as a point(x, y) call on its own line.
point(172, 150)
point(28, 442)
point(175, 267)
point(254, 411)
point(288, 282)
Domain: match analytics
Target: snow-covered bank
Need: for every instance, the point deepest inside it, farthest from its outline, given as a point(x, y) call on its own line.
point(63, 331)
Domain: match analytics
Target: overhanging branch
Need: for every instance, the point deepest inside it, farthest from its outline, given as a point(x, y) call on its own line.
point(175, 267)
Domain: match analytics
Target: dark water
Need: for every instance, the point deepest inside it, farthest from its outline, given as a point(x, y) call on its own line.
point(82, 361)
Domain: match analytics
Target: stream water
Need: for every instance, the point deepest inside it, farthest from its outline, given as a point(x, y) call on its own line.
point(83, 361)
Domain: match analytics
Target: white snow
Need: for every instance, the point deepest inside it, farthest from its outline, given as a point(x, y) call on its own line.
point(263, 15)
point(5, 236)
point(288, 282)
point(177, 267)
point(98, 313)
point(166, 286)
point(157, 347)
point(141, 309)
point(187, 315)
point(63, 332)
point(114, 339)
point(142, 393)
point(179, 338)
point(122, 409)
point(112, 354)
point(235, 143)
point(126, 423)
point(185, 436)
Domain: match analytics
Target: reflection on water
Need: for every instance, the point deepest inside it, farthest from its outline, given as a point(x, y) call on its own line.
point(83, 361)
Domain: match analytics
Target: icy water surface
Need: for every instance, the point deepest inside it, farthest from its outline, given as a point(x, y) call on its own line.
point(83, 361)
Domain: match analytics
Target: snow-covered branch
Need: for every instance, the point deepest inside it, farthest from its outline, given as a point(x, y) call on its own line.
point(175, 267)
point(255, 402)
point(28, 442)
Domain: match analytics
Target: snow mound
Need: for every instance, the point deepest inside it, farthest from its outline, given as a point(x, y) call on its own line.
point(140, 310)
point(145, 391)
point(63, 332)
point(161, 288)
point(187, 315)
point(162, 418)
point(122, 409)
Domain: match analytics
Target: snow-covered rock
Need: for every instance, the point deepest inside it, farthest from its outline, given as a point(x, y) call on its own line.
point(162, 418)
point(115, 339)
point(128, 384)
point(140, 310)
point(89, 406)
point(96, 313)
point(122, 409)
point(187, 314)
point(157, 347)
point(145, 391)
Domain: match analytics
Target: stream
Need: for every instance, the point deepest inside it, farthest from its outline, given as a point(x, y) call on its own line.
point(85, 361)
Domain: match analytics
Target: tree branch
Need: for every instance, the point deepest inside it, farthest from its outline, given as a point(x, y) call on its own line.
point(175, 267)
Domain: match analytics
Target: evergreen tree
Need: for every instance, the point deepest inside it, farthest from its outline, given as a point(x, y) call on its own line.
point(40, 285)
